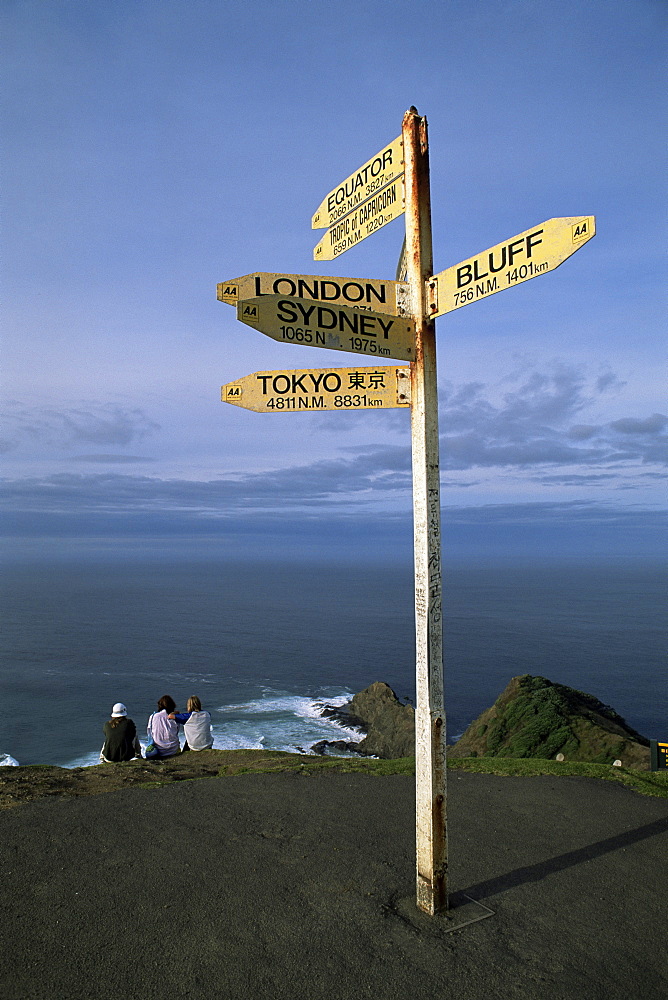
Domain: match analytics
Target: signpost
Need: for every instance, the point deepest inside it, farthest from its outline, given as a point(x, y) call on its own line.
point(340, 314)
point(430, 753)
point(311, 389)
point(363, 221)
point(334, 327)
point(369, 293)
point(535, 251)
point(366, 181)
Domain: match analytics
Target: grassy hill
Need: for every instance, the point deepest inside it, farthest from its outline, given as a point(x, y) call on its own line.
point(535, 718)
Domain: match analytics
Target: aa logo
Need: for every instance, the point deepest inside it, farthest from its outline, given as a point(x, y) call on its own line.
point(233, 392)
point(228, 293)
point(250, 314)
point(581, 230)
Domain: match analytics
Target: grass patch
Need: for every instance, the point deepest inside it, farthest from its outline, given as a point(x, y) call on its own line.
point(271, 762)
point(28, 783)
point(653, 783)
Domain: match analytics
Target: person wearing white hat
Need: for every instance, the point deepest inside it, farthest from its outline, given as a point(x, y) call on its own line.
point(120, 737)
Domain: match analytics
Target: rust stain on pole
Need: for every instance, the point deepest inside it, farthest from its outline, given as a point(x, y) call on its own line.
point(430, 773)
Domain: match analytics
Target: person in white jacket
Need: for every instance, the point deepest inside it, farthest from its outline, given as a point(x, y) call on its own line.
point(196, 725)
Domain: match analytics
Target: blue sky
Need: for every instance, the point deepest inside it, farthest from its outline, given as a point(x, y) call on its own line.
point(154, 149)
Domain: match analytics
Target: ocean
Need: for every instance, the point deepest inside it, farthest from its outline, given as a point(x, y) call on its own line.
point(264, 645)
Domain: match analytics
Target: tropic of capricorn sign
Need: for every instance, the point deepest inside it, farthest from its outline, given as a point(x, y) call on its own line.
point(393, 319)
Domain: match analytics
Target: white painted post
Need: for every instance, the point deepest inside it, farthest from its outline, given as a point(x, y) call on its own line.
point(430, 754)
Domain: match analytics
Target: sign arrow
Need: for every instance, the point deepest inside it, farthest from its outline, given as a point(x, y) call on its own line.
point(385, 206)
point(535, 251)
point(368, 293)
point(291, 320)
point(311, 389)
point(366, 181)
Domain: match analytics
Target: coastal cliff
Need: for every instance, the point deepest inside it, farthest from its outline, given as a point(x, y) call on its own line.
point(376, 711)
point(532, 717)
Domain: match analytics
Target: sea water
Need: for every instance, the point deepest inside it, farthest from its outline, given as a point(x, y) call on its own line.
point(264, 646)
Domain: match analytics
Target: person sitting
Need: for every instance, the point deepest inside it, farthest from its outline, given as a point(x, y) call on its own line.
point(196, 725)
point(163, 731)
point(120, 737)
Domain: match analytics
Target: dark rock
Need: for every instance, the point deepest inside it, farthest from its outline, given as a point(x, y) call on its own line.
point(340, 713)
point(339, 746)
point(376, 711)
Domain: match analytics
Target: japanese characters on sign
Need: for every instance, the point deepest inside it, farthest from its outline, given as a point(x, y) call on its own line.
point(320, 389)
point(535, 251)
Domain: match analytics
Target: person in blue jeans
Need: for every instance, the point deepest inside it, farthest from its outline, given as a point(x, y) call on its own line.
point(196, 725)
point(163, 731)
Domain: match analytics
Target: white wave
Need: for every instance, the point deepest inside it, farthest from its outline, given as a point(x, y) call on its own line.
point(298, 705)
point(278, 721)
point(6, 760)
point(86, 760)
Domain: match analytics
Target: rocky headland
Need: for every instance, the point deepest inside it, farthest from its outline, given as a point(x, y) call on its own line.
point(532, 717)
point(388, 723)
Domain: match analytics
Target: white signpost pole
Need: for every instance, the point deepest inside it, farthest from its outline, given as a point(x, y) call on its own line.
point(272, 303)
point(430, 753)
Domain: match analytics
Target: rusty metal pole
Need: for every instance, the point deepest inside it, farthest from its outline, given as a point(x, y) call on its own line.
point(430, 754)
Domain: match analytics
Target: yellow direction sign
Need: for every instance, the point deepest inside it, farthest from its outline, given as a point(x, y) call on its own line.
point(365, 182)
point(387, 296)
point(363, 221)
point(337, 328)
point(320, 389)
point(533, 252)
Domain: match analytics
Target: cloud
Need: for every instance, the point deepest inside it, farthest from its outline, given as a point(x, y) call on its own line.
point(632, 425)
point(318, 490)
point(582, 432)
point(576, 478)
point(334, 481)
point(112, 459)
point(96, 424)
point(114, 517)
point(526, 423)
point(531, 424)
point(608, 381)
